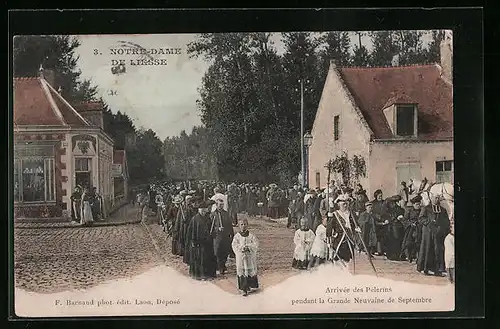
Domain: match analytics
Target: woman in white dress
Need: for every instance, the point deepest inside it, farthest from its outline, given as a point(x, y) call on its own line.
point(245, 246)
point(86, 211)
point(449, 253)
point(303, 240)
point(319, 249)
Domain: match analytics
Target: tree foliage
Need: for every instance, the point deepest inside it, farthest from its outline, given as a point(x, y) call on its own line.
point(57, 53)
point(190, 156)
point(250, 100)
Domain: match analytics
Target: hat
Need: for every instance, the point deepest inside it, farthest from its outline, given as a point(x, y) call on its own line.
point(369, 203)
point(177, 199)
point(362, 191)
point(204, 204)
point(395, 198)
point(348, 189)
point(218, 196)
point(311, 191)
point(342, 198)
point(416, 199)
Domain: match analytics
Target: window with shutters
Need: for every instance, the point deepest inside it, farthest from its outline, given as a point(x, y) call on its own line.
point(444, 171)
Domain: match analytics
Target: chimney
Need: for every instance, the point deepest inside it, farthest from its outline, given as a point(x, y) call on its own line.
point(93, 113)
point(446, 51)
point(48, 75)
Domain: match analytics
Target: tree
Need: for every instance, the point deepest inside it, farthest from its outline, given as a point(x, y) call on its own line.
point(384, 48)
point(225, 102)
point(434, 47)
point(410, 47)
point(190, 156)
point(337, 46)
point(360, 56)
point(56, 53)
point(350, 169)
point(147, 161)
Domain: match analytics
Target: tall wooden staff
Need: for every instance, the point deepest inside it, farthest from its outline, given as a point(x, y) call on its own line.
point(329, 167)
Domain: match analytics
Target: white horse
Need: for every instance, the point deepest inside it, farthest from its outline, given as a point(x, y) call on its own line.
point(444, 191)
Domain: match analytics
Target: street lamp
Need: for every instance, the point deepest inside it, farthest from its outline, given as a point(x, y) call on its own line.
point(307, 141)
point(302, 147)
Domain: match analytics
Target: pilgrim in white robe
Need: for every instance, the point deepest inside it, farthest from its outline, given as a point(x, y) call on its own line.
point(449, 256)
point(245, 246)
point(319, 248)
point(303, 240)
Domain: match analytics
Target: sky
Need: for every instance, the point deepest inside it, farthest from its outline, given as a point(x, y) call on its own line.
point(159, 97)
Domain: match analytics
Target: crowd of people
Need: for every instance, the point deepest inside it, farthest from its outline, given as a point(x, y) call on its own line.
point(86, 206)
point(337, 222)
point(332, 224)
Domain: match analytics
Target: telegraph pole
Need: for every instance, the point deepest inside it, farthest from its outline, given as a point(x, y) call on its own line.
point(302, 160)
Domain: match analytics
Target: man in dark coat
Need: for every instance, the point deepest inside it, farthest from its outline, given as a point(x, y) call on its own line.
point(412, 235)
point(380, 221)
point(202, 261)
point(221, 230)
point(309, 209)
point(242, 199)
point(191, 210)
point(152, 199)
point(252, 198)
point(178, 230)
point(435, 226)
point(358, 206)
point(296, 210)
point(233, 199)
point(366, 222)
point(76, 204)
point(395, 229)
point(273, 202)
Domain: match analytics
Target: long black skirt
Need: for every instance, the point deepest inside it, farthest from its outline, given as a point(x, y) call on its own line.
point(300, 264)
point(245, 283)
point(316, 261)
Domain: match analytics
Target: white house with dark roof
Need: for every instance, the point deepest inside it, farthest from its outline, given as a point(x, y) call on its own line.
point(56, 148)
point(399, 119)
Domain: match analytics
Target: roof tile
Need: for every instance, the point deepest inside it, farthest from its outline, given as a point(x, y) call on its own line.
point(374, 88)
point(32, 106)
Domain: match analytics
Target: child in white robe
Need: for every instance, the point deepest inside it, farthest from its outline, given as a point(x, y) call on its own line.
point(319, 249)
point(449, 253)
point(303, 239)
point(245, 246)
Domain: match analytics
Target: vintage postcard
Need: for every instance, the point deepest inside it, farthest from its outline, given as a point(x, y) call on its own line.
point(233, 173)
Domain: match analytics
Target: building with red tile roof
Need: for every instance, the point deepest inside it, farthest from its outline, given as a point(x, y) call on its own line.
point(398, 119)
point(56, 148)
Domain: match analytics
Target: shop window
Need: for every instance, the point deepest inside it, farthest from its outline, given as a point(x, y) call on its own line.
point(34, 173)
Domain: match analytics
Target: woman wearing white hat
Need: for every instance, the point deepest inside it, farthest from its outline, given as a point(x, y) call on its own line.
point(343, 231)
